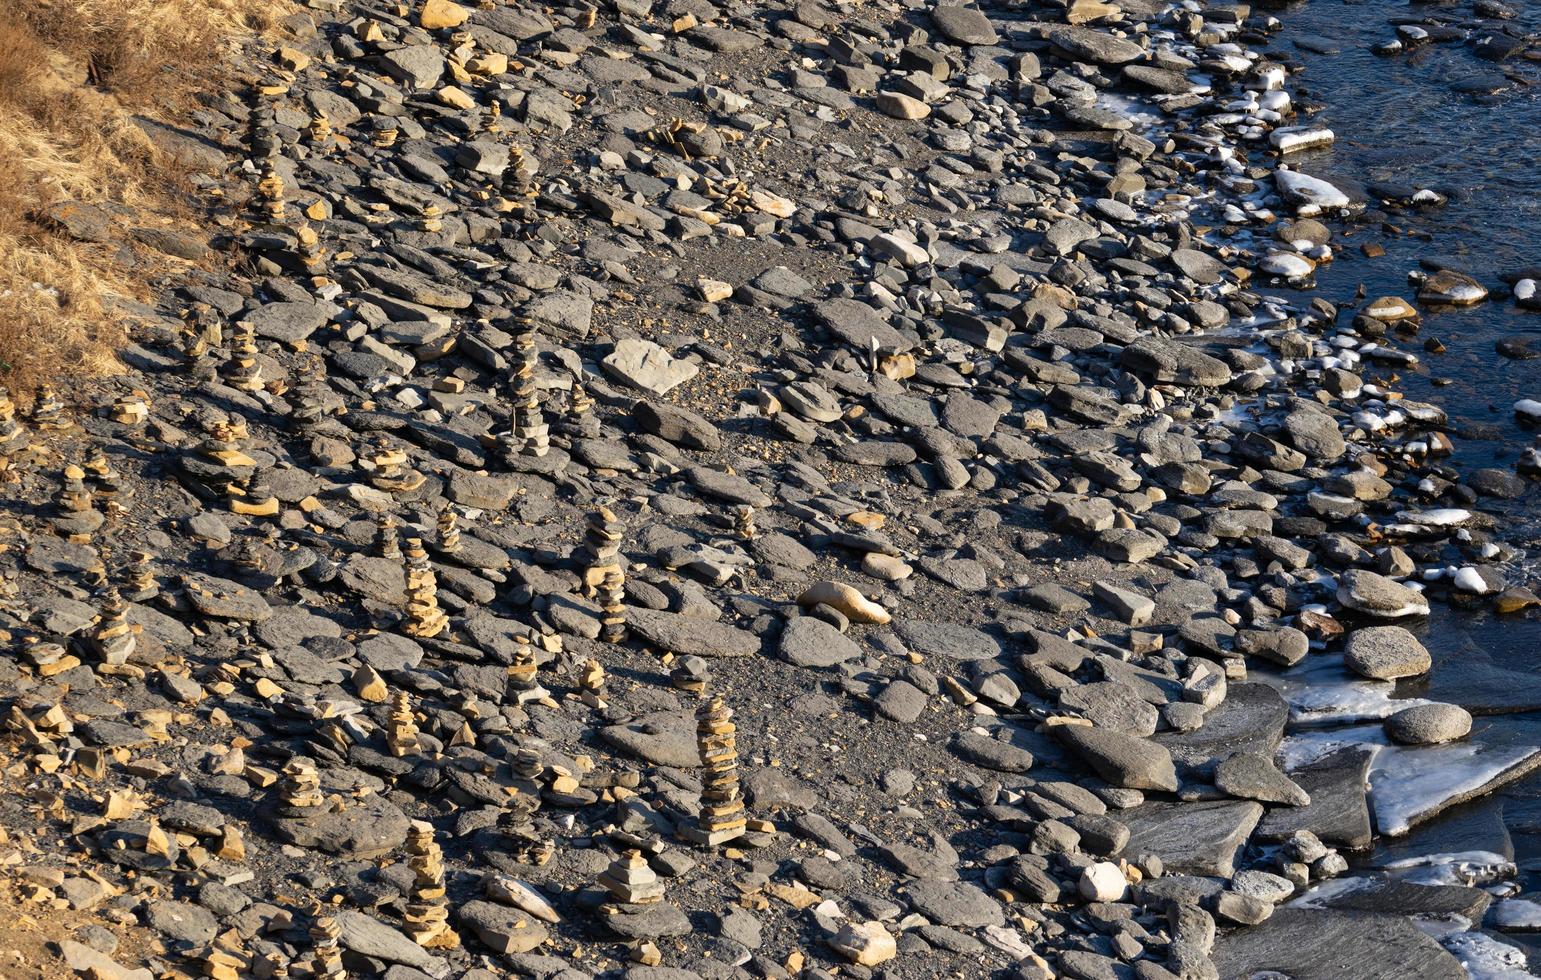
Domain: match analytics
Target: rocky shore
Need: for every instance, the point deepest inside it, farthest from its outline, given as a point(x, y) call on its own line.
point(669, 490)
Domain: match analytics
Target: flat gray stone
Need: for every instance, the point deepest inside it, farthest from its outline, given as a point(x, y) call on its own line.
point(1321, 945)
point(688, 635)
point(1192, 838)
point(811, 642)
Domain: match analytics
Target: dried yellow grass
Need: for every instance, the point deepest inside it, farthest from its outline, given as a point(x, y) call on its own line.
point(73, 73)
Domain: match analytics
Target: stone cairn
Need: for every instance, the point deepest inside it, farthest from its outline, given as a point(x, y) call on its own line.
point(523, 682)
point(13, 438)
point(48, 412)
point(528, 434)
point(603, 574)
point(75, 514)
point(449, 531)
point(401, 727)
point(107, 485)
point(96, 577)
point(690, 674)
point(299, 788)
point(253, 499)
point(241, 370)
point(580, 422)
point(424, 617)
point(722, 805)
point(743, 523)
point(391, 470)
point(326, 949)
point(630, 881)
point(426, 915)
point(113, 638)
point(218, 461)
point(130, 409)
point(387, 538)
point(140, 576)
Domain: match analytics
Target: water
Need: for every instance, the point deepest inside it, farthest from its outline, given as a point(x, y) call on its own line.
point(1406, 119)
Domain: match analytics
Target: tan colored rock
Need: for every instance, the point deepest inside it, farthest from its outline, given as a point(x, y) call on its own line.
point(436, 14)
point(865, 943)
point(846, 598)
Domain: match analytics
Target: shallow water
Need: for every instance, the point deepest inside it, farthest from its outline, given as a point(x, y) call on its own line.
point(1399, 119)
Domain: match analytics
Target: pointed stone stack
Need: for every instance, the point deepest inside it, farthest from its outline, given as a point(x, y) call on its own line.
point(743, 523)
point(320, 132)
point(449, 531)
point(612, 592)
point(48, 412)
point(426, 915)
point(391, 471)
point(242, 371)
point(113, 638)
point(401, 730)
point(630, 881)
point(601, 553)
point(141, 576)
point(13, 438)
point(528, 435)
point(424, 617)
point(580, 420)
point(326, 950)
point(522, 673)
point(96, 576)
point(722, 805)
point(274, 966)
point(387, 538)
point(271, 189)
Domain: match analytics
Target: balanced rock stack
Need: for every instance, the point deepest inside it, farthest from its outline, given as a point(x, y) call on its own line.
point(528, 434)
point(387, 542)
point(448, 530)
point(722, 806)
point(218, 461)
point(630, 880)
point(48, 411)
point(424, 617)
point(401, 729)
point(242, 371)
point(523, 671)
point(114, 638)
point(326, 949)
point(603, 573)
point(299, 788)
point(75, 514)
point(427, 914)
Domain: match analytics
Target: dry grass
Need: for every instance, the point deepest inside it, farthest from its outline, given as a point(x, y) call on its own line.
point(72, 75)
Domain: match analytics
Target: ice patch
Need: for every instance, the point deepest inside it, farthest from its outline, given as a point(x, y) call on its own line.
point(1486, 958)
point(1326, 693)
point(1516, 913)
point(1411, 783)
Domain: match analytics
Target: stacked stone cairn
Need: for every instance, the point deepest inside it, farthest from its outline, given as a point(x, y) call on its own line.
point(424, 617)
point(722, 805)
point(427, 915)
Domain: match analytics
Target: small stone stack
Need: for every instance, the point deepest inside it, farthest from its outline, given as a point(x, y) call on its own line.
point(387, 538)
point(426, 915)
point(130, 409)
point(612, 592)
point(13, 438)
point(523, 684)
point(580, 422)
point(326, 950)
point(113, 638)
point(722, 805)
point(630, 881)
point(48, 412)
point(449, 531)
point(523, 843)
point(218, 461)
point(107, 485)
point(271, 190)
point(401, 729)
point(391, 470)
point(690, 674)
point(254, 499)
point(319, 132)
point(299, 788)
point(743, 523)
point(141, 576)
point(603, 573)
point(424, 617)
point(528, 434)
point(241, 370)
point(75, 514)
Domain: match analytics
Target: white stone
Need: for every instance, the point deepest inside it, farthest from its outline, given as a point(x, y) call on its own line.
point(1102, 882)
